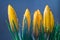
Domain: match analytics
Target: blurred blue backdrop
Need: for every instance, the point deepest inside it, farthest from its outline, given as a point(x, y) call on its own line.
point(20, 7)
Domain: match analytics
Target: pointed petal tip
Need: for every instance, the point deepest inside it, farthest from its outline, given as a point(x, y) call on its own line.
point(9, 6)
point(38, 11)
point(27, 12)
point(47, 7)
point(27, 9)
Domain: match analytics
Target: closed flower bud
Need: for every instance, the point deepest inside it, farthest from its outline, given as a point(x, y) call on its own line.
point(48, 19)
point(27, 18)
point(12, 17)
point(37, 21)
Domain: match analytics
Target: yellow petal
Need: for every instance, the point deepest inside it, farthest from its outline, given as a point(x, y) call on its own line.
point(48, 19)
point(37, 21)
point(52, 21)
point(12, 17)
point(27, 16)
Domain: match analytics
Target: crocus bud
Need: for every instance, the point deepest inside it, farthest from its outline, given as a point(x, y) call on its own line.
point(48, 19)
point(27, 18)
point(37, 21)
point(12, 17)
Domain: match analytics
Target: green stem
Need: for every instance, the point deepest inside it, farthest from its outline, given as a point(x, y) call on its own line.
point(16, 32)
point(12, 34)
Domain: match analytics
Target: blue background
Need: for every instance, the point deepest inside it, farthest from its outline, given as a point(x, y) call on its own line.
point(20, 7)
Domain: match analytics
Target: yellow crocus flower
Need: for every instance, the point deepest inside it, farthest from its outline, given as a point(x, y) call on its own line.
point(12, 17)
point(37, 21)
point(48, 19)
point(28, 18)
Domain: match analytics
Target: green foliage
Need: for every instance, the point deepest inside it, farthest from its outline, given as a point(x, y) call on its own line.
point(14, 34)
point(54, 35)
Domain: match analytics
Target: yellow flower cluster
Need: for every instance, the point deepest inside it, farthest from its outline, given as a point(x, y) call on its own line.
point(47, 20)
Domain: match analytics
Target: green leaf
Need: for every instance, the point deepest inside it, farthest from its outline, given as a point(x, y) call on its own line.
point(16, 32)
point(12, 33)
